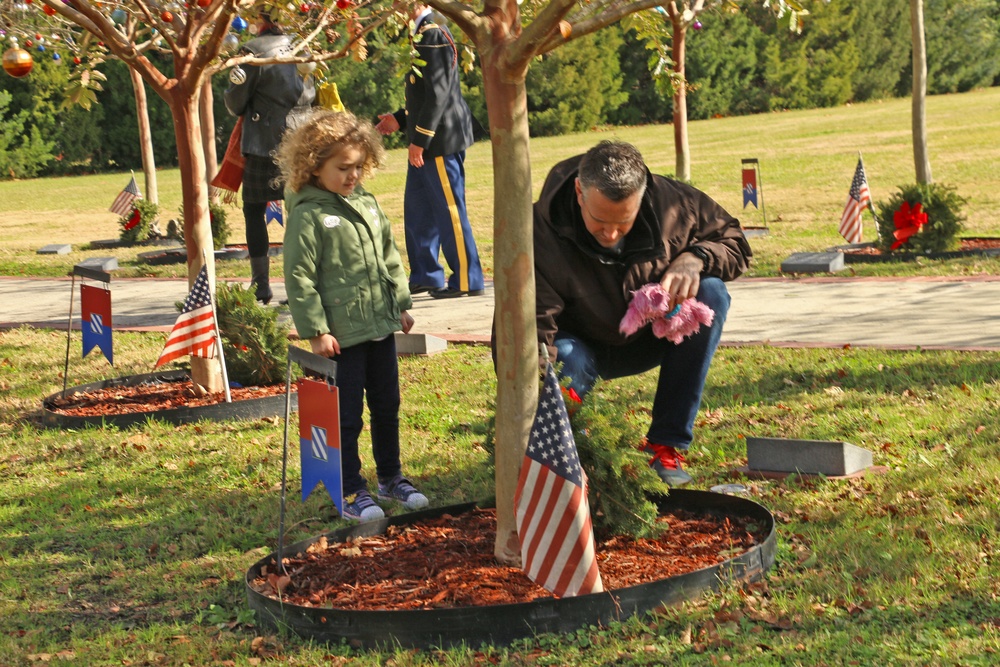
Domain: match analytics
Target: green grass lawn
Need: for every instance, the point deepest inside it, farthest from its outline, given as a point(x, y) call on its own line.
point(128, 547)
point(807, 159)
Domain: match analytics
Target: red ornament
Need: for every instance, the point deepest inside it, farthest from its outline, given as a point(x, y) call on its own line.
point(76, 60)
point(167, 17)
point(49, 10)
point(38, 35)
point(305, 7)
point(17, 62)
point(28, 43)
point(204, 3)
point(343, 4)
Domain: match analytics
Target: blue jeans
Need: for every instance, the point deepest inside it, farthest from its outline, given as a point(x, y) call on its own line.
point(369, 370)
point(683, 367)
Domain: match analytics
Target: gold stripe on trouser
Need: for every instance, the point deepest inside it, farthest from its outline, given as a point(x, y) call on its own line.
point(456, 225)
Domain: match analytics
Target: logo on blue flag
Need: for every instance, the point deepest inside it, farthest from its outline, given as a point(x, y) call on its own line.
point(319, 440)
point(95, 306)
point(273, 212)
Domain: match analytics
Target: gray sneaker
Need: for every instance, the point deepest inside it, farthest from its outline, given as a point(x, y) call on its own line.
point(361, 507)
point(666, 462)
point(399, 488)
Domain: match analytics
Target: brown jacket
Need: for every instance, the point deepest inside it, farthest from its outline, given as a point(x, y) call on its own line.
point(584, 292)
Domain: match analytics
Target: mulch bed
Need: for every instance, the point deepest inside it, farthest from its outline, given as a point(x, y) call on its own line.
point(449, 562)
point(125, 400)
point(966, 245)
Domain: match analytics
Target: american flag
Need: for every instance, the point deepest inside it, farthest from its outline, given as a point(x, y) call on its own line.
point(857, 199)
point(123, 202)
point(194, 331)
point(550, 505)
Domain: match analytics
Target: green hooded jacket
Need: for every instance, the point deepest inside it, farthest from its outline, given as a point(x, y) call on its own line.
point(343, 272)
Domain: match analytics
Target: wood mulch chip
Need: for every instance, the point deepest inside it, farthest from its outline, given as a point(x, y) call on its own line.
point(150, 398)
point(449, 562)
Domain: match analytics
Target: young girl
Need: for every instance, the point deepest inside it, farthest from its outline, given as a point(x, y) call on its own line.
point(347, 291)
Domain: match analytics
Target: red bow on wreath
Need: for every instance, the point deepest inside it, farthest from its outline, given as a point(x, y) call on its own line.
point(908, 222)
point(136, 218)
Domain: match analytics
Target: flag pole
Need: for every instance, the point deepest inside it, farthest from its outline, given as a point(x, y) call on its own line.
point(69, 332)
point(760, 190)
point(284, 465)
point(871, 202)
point(218, 335)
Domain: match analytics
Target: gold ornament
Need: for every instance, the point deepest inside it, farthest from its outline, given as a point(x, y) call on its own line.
point(17, 62)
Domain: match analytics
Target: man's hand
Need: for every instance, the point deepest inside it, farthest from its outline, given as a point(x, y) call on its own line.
point(387, 124)
point(683, 277)
point(406, 321)
point(324, 345)
point(416, 156)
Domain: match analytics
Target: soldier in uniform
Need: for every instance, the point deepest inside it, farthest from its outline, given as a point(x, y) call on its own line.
point(438, 126)
point(270, 98)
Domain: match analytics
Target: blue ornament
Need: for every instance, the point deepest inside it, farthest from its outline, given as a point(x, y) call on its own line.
point(56, 57)
point(239, 24)
point(41, 47)
point(118, 16)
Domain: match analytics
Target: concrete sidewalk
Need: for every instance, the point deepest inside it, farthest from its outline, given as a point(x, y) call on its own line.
point(892, 313)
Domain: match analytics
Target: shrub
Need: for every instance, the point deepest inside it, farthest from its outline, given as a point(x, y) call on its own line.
point(620, 479)
point(254, 342)
point(217, 218)
point(148, 213)
point(220, 228)
point(943, 207)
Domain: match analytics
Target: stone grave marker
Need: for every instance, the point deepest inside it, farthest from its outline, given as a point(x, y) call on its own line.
point(56, 249)
point(813, 262)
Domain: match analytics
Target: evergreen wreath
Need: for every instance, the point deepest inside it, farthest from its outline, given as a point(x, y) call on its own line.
point(920, 219)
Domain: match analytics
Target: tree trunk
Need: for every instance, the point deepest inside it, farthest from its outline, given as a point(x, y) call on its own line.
point(920, 157)
point(208, 136)
point(683, 167)
point(197, 226)
point(145, 136)
point(514, 274)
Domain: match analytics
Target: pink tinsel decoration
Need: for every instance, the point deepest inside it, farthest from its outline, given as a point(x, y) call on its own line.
point(651, 303)
point(685, 323)
point(648, 303)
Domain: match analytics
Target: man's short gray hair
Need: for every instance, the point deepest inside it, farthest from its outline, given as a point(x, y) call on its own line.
point(615, 168)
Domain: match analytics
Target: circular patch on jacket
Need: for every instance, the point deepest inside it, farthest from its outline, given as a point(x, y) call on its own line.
point(237, 76)
point(331, 221)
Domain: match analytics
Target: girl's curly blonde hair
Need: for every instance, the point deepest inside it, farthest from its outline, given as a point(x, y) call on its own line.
point(322, 135)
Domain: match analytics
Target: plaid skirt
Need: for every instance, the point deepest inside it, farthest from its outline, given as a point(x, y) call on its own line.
point(259, 177)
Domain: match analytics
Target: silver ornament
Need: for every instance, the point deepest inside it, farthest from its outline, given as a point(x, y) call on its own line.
point(230, 43)
point(237, 76)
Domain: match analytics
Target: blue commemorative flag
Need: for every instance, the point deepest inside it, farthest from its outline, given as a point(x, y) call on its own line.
point(319, 440)
point(95, 306)
point(749, 187)
point(273, 212)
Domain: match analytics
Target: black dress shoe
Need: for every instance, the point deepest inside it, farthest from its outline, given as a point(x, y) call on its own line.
point(450, 293)
point(420, 289)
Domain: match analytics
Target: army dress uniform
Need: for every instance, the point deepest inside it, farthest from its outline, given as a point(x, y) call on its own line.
point(437, 119)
